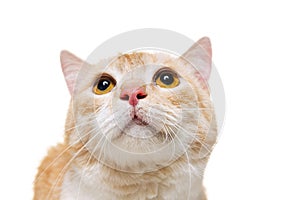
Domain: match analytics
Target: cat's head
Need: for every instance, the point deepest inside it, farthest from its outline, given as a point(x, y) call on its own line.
point(140, 110)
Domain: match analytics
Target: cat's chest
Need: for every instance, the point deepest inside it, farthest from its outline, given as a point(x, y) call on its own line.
point(91, 184)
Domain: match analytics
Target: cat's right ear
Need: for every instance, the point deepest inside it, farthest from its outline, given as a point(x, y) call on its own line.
point(200, 55)
point(71, 66)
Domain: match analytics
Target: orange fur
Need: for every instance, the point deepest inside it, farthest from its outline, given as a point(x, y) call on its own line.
point(51, 172)
point(65, 160)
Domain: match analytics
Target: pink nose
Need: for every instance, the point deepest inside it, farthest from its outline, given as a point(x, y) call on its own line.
point(133, 95)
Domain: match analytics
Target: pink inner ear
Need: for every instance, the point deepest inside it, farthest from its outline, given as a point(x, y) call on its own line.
point(203, 81)
point(70, 65)
point(200, 56)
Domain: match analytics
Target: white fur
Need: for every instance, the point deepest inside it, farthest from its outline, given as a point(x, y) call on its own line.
point(87, 184)
point(130, 148)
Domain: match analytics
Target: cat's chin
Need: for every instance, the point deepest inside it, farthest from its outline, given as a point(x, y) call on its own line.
point(139, 129)
point(139, 156)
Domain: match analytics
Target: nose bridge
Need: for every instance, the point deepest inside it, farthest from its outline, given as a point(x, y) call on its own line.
point(132, 84)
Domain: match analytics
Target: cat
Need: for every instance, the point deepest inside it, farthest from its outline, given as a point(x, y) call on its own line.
point(140, 125)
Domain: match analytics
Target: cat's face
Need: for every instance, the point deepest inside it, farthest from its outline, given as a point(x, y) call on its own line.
point(140, 110)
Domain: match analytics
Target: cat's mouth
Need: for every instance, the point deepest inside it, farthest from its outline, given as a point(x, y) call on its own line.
point(139, 121)
point(138, 118)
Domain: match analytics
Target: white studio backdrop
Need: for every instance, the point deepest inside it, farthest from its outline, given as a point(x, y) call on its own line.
point(255, 49)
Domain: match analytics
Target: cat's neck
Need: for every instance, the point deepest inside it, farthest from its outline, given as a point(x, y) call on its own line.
point(181, 176)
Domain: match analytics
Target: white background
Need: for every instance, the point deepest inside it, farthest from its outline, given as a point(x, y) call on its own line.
point(256, 50)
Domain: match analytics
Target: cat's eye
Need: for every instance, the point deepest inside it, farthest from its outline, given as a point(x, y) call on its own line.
point(104, 84)
point(166, 78)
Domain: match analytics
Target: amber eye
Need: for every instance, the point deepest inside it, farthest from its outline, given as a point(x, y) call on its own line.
point(166, 79)
point(104, 85)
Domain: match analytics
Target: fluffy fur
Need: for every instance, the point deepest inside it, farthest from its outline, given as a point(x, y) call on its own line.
point(105, 155)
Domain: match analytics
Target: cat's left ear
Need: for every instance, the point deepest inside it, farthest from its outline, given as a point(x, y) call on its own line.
point(71, 66)
point(199, 55)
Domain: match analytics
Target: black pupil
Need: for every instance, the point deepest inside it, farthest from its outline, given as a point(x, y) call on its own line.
point(103, 84)
point(167, 78)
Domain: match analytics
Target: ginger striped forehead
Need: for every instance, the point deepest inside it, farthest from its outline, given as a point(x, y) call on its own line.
point(130, 61)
